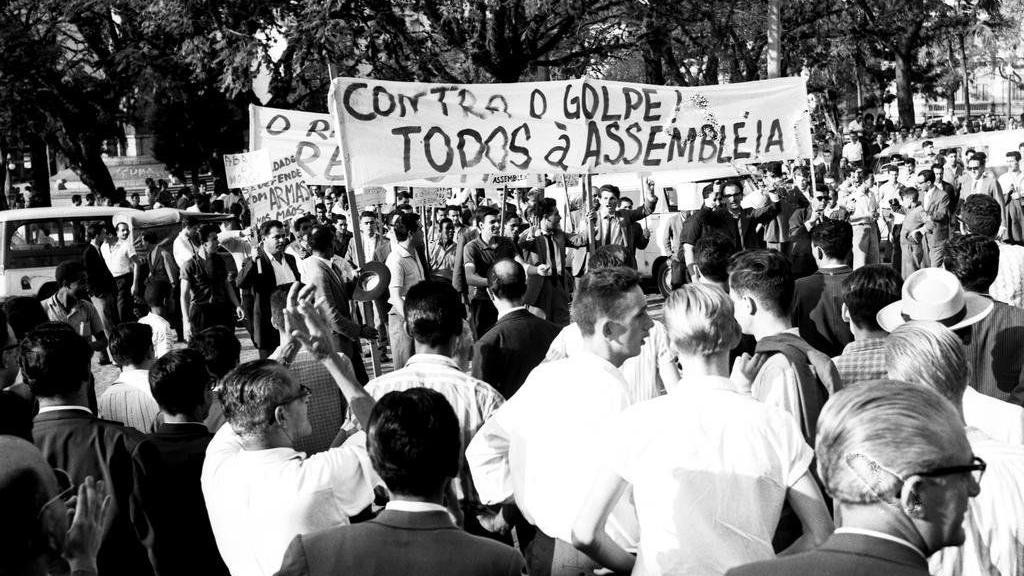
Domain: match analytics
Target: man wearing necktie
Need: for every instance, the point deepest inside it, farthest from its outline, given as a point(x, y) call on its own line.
point(544, 245)
point(938, 209)
point(613, 225)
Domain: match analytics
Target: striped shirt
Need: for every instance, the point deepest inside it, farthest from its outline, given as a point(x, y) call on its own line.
point(644, 374)
point(130, 402)
point(326, 407)
point(994, 522)
point(474, 401)
point(1008, 286)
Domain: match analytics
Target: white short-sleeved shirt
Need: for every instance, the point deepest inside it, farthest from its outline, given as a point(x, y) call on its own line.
point(405, 271)
point(163, 333)
point(545, 445)
point(709, 469)
point(1008, 286)
point(1000, 420)
point(259, 500)
point(118, 257)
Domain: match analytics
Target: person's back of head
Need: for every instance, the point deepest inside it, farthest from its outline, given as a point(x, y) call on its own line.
point(433, 313)
point(55, 361)
point(414, 442)
point(321, 240)
point(981, 214)
point(974, 260)
point(251, 395)
point(866, 291)
point(156, 297)
point(877, 445)
point(506, 281)
point(700, 321)
point(180, 383)
point(406, 224)
point(31, 528)
point(219, 347)
point(711, 254)
point(607, 256)
point(68, 272)
point(602, 295)
point(832, 240)
point(131, 344)
point(764, 276)
point(928, 354)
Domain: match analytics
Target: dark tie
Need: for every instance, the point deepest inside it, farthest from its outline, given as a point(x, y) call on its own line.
point(552, 256)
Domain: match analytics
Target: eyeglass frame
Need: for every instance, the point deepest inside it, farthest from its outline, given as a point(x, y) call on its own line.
point(977, 465)
point(304, 393)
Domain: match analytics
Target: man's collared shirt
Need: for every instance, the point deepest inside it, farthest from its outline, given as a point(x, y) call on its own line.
point(1000, 420)
point(1008, 286)
point(642, 373)
point(709, 470)
point(543, 446)
point(405, 269)
point(130, 401)
point(509, 311)
point(995, 533)
point(442, 258)
point(862, 360)
point(259, 500)
point(282, 271)
point(118, 257)
point(45, 409)
point(474, 401)
point(82, 316)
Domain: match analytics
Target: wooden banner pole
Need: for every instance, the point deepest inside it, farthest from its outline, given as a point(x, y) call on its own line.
point(357, 238)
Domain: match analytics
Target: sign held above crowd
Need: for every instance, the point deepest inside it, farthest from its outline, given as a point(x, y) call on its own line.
point(308, 136)
point(394, 132)
point(274, 189)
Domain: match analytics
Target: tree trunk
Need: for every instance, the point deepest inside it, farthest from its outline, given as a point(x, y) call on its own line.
point(87, 160)
point(40, 172)
point(651, 50)
point(3, 174)
point(966, 81)
point(904, 88)
point(711, 70)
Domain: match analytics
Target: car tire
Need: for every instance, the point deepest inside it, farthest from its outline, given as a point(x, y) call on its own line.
point(663, 277)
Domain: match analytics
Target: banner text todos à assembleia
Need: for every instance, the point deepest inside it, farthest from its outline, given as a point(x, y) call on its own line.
point(398, 131)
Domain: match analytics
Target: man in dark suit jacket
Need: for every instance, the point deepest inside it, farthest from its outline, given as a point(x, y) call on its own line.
point(414, 443)
point(938, 206)
point(518, 342)
point(901, 500)
point(544, 245)
point(55, 362)
point(262, 272)
point(612, 225)
point(179, 540)
point(817, 299)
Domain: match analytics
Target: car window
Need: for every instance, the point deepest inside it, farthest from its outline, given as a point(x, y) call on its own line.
point(34, 236)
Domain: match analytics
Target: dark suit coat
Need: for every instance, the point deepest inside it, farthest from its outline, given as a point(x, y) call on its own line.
point(843, 555)
point(534, 251)
point(335, 297)
point(817, 310)
point(400, 544)
point(180, 539)
point(995, 353)
point(83, 445)
point(464, 236)
point(260, 279)
point(505, 355)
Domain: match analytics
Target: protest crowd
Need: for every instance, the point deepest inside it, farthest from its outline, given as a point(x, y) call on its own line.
point(836, 387)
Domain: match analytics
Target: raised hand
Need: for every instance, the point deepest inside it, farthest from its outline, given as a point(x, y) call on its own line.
point(93, 513)
point(745, 369)
point(307, 322)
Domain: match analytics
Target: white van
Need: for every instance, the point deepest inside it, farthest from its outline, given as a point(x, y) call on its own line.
point(36, 240)
point(995, 145)
point(677, 191)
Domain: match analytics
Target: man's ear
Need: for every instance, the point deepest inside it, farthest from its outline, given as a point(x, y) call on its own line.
point(749, 305)
point(281, 417)
point(912, 497)
point(845, 313)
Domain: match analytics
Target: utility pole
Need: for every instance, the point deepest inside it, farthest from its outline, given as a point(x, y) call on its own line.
point(774, 38)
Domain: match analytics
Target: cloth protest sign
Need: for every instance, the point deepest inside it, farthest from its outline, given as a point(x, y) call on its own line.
point(247, 169)
point(400, 131)
point(370, 196)
point(283, 197)
point(308, 136)
point(429, 197)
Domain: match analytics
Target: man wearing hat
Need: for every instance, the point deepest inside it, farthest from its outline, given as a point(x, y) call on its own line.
point(935, 294)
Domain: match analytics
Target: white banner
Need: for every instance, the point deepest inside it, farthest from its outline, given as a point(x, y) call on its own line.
point(247, 168)
point(307, 136)
point(283, 197)
point(402, 131)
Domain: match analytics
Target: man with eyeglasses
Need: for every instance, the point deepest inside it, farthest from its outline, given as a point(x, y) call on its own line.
point(896, 461)
point(983, 182)
point(260, 491)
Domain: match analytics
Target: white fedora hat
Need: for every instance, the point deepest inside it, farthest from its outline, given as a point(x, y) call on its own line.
point(934, 294)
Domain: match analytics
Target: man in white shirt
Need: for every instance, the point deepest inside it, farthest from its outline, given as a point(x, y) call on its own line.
point(186, 244)
point(710, 466)
point(1012, 184)
point(163, 333)
point(119, 256)
point(542, 448)
point(862, 205)
point(930, 355)
point(406, 271)
point(853, 150)
point(261, 492)
point(129, 399)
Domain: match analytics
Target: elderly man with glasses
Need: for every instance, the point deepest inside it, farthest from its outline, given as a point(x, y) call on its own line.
point(984, 182)
point(260, 491)
point(896, 460)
